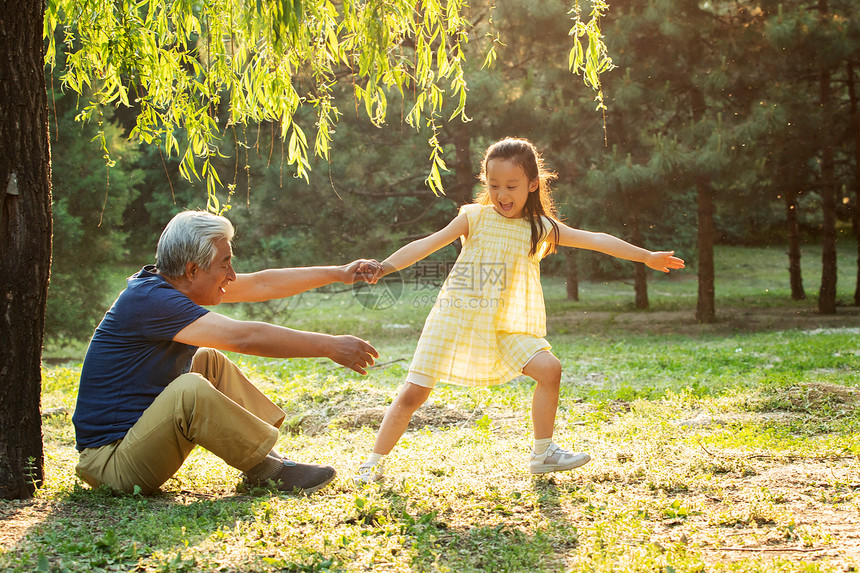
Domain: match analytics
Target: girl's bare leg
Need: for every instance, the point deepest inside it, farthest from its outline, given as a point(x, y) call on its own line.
point(547, 456)
point(545, 369)
point(397, 417)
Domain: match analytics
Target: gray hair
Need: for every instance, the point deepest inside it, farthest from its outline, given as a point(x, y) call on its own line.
point(190, 237)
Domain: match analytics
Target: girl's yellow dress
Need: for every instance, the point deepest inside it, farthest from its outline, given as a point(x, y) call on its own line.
point(489, 319)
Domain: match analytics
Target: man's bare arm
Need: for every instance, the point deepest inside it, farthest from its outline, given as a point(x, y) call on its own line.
point(279, 283)
point(215, 330)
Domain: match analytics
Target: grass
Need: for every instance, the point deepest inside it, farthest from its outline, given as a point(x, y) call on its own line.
point(728, 447)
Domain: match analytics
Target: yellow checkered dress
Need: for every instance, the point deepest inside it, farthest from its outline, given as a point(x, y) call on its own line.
point(489, 319)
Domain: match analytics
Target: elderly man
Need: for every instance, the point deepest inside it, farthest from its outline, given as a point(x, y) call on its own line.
point(152, 386)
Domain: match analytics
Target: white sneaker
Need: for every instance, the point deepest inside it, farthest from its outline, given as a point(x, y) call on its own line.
point(555, 459)
point(369, 473)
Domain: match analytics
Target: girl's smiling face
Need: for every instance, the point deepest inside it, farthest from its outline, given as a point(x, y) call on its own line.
point(509, 187)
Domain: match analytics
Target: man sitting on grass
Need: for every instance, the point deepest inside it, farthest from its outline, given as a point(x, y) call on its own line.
point(152, 386)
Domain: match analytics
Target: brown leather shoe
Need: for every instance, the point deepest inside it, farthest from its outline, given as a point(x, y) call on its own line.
point(296, 477)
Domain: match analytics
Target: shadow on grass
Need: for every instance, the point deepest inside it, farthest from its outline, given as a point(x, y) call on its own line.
point(439, 545)
point(498, 536)
point(91, 530)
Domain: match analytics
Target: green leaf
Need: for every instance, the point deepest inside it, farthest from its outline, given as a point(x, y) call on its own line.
point(490, 59)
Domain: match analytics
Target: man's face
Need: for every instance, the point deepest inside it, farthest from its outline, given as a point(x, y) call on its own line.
point(207, 287)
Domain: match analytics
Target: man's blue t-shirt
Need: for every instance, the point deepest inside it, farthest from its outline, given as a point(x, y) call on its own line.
point(132, 357)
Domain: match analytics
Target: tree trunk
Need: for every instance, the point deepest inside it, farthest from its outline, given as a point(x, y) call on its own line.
point(572, 282)
point(827, 292)
point(25, 242)
point(640, 276)
point(793, 231)
point(705, 305)
point(640, 286)
point(855, 215)
point(706, 232)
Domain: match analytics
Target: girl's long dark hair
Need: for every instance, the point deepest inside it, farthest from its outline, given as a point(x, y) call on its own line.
point(539, 203)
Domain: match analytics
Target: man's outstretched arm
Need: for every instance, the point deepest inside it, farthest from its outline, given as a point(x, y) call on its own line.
point(279, 283)
point(215, 330)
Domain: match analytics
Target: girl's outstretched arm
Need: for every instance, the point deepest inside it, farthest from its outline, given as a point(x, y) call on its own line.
point(604, 243)
point(413, 252)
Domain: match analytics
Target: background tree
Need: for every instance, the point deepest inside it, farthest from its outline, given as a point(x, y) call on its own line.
point(827, 291)
point(25, 242)
point(855, 128)
point(667, 51)
point(813, 43)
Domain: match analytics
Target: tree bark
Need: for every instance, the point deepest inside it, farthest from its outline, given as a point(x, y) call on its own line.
point(640, 286)
point(793, 232)
point(25, 242)
point(855, 215)
point(827, 292)
point(640, 276)
point(705, 305)
point(706, 232)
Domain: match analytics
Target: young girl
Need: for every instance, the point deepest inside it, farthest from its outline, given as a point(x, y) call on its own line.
point(488, 322)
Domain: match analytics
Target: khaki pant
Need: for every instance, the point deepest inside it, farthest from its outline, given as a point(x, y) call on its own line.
point(214, 406)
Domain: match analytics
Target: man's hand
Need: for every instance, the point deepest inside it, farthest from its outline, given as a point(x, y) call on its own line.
point(353, 353)
point(360, 270)
point(664, 261)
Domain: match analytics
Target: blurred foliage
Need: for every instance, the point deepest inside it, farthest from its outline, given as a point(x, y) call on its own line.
point(90, 198)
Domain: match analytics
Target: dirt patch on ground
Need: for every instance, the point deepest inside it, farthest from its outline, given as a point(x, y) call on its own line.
point(816, 394)
point(820, 498)
point(427, 416)
point(729, 320)
point(316, 421)
point(17, 518)
point(800, 508)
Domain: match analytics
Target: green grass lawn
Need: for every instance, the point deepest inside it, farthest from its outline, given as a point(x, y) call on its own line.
point(727, 447)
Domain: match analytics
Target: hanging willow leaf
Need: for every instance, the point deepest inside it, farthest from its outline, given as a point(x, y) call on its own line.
point(184, 60)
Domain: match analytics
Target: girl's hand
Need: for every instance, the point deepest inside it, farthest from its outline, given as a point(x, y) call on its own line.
point(664, 261)
point(361, 270)
point(376, 270)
